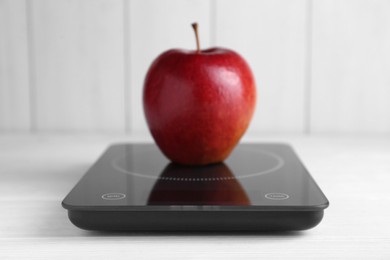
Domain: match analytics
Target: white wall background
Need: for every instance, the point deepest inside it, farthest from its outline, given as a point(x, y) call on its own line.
point(78, 66)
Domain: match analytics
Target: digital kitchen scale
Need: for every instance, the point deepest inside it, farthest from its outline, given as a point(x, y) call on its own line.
point(259, 187)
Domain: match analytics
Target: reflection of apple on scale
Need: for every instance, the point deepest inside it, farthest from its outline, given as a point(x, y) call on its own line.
point(198, 104)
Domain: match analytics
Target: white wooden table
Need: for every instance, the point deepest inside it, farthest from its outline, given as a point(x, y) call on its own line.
point(36, 172)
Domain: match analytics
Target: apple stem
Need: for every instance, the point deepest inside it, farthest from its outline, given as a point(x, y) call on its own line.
point(195, 26)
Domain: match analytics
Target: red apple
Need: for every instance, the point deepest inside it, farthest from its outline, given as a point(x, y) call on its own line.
point(199, 103)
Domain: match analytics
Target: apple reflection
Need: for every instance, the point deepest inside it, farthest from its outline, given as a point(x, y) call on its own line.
point(203, 185)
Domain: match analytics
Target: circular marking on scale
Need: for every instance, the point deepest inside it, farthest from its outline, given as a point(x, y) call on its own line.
point(113, 196)
point(279, 163)
point(277, 196)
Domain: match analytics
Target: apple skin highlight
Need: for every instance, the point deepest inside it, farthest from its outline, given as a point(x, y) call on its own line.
point(198, 104)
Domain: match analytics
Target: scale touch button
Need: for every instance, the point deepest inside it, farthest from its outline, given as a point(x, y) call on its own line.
point(113, 196)
point(277, 196)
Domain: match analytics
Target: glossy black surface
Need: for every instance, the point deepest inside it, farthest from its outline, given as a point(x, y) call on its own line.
point(255, 177)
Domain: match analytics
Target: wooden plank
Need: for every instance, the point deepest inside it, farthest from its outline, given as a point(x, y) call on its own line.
point(78, 65)
point(351, 64)
point(156, 26)
point(271, 36)
point(14, 69)
point(174, 246)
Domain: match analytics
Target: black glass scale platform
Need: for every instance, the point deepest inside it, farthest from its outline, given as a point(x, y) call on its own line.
point(133, 187)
